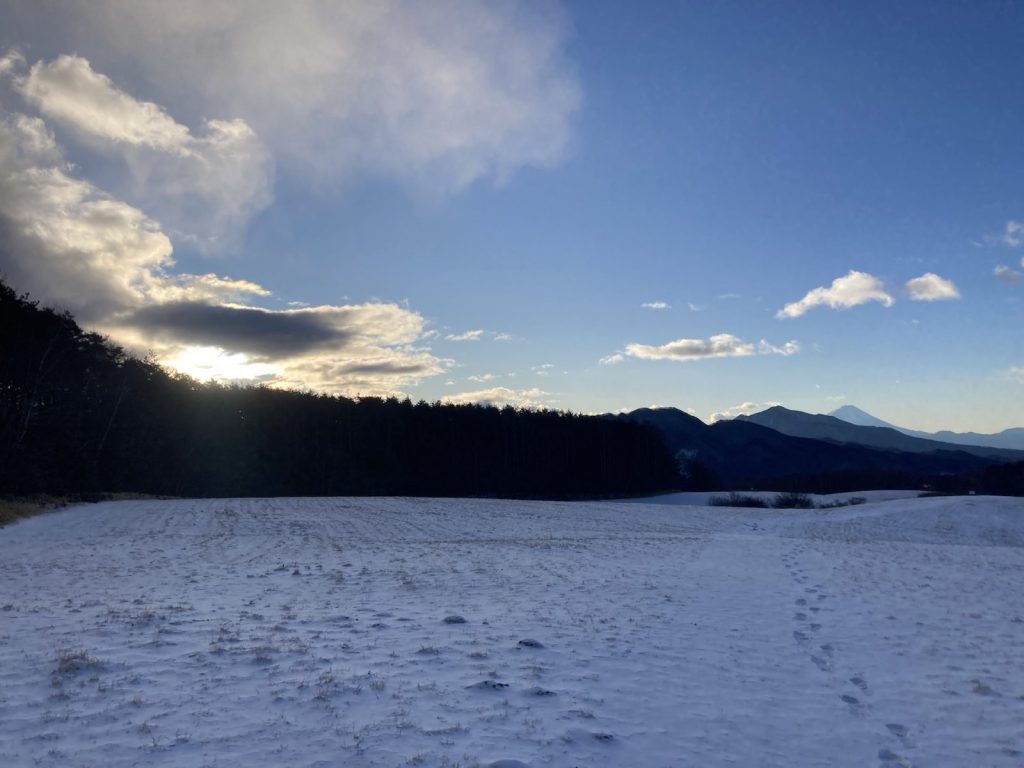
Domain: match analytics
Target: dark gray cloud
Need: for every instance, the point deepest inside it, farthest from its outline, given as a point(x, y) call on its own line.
point(257, 332)
point(387, 367)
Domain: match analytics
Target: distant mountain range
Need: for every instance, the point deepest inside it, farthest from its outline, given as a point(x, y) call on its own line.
point(1012, 439)
point(745, 453)
point(836, 430)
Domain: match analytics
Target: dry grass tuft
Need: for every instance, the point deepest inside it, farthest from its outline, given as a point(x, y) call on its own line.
point(17, 509)
point(71, 662)
point(14, 508)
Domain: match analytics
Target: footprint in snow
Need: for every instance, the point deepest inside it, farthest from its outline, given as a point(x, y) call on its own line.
point(488, 685)
point(538, 691)
point(821, 663)
point(860, 682)
point(507, 764)
point(855, 704)
point(888, 757)
point(581, 734)
point(528, 643)
point(982, 689)
point(897, 729)
point(454, 619)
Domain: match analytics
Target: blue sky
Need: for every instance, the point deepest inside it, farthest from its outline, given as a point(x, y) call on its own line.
point(476, 201)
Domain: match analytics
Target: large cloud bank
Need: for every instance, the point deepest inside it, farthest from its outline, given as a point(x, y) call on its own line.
point(434, 96)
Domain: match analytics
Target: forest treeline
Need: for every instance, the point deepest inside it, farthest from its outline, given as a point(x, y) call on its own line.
point(79, 415)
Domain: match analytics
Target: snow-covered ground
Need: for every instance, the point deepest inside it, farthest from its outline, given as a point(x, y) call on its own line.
point(313, 632)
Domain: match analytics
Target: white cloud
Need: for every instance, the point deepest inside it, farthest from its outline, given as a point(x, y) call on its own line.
point(209, 287)
point(1014, 373)
point(720, 345)
point(205, 188)
point(656, 305)
point(543, 370)
point(931, 287)
point(436, 95)
point(1013, 235)
point(1008, 275)
point(70, 244)
point(11, 61)
point(65, 241)
point(69, 91)
point(466, 336)
point(477, 334)
point(484, 377)
point(499, 397)
point(851, 290)
point(787, 349)
point(743, 409)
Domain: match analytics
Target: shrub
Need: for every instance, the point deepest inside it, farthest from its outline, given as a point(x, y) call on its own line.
point(853, 501)
point(793, 501)
point(737, 500)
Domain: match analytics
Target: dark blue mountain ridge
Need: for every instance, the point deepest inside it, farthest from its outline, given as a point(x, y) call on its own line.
point(745, 454)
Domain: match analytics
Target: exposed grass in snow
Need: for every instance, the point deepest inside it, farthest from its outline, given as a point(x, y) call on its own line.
point(11, 510)
point(17, 508)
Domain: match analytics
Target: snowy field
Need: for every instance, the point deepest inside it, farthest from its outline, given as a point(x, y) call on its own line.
point(386, 632)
